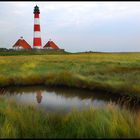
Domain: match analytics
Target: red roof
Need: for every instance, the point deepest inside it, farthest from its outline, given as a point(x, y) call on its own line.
point(21, 42)
point(51, 45)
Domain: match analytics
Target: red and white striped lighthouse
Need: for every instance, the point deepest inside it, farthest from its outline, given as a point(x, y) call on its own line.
point(37, 43)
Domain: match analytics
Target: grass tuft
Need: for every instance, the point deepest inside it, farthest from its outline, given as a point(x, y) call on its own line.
point(26, 122)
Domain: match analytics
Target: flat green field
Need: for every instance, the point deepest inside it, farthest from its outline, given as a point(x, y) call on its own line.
point(117, 73)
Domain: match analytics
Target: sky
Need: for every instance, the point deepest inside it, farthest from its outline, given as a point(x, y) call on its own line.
point(74, 26)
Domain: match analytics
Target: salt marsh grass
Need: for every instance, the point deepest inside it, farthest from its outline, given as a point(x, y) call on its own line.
point(110, 72)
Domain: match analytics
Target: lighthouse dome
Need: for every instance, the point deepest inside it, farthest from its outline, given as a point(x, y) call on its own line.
point(36, 9)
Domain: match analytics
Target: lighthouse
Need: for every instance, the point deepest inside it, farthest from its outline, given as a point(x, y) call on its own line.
point(37, 43)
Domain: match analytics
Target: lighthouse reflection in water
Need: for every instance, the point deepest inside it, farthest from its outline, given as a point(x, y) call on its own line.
point(54, 102)
point(39, 97)
point(59, 100)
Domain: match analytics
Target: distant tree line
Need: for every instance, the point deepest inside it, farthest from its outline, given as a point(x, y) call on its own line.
point(30, 50)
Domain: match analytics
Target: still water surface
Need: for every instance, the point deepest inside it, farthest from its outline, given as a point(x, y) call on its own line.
point(62, 100)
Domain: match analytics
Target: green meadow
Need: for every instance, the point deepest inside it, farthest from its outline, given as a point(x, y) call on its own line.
point(117, 73)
